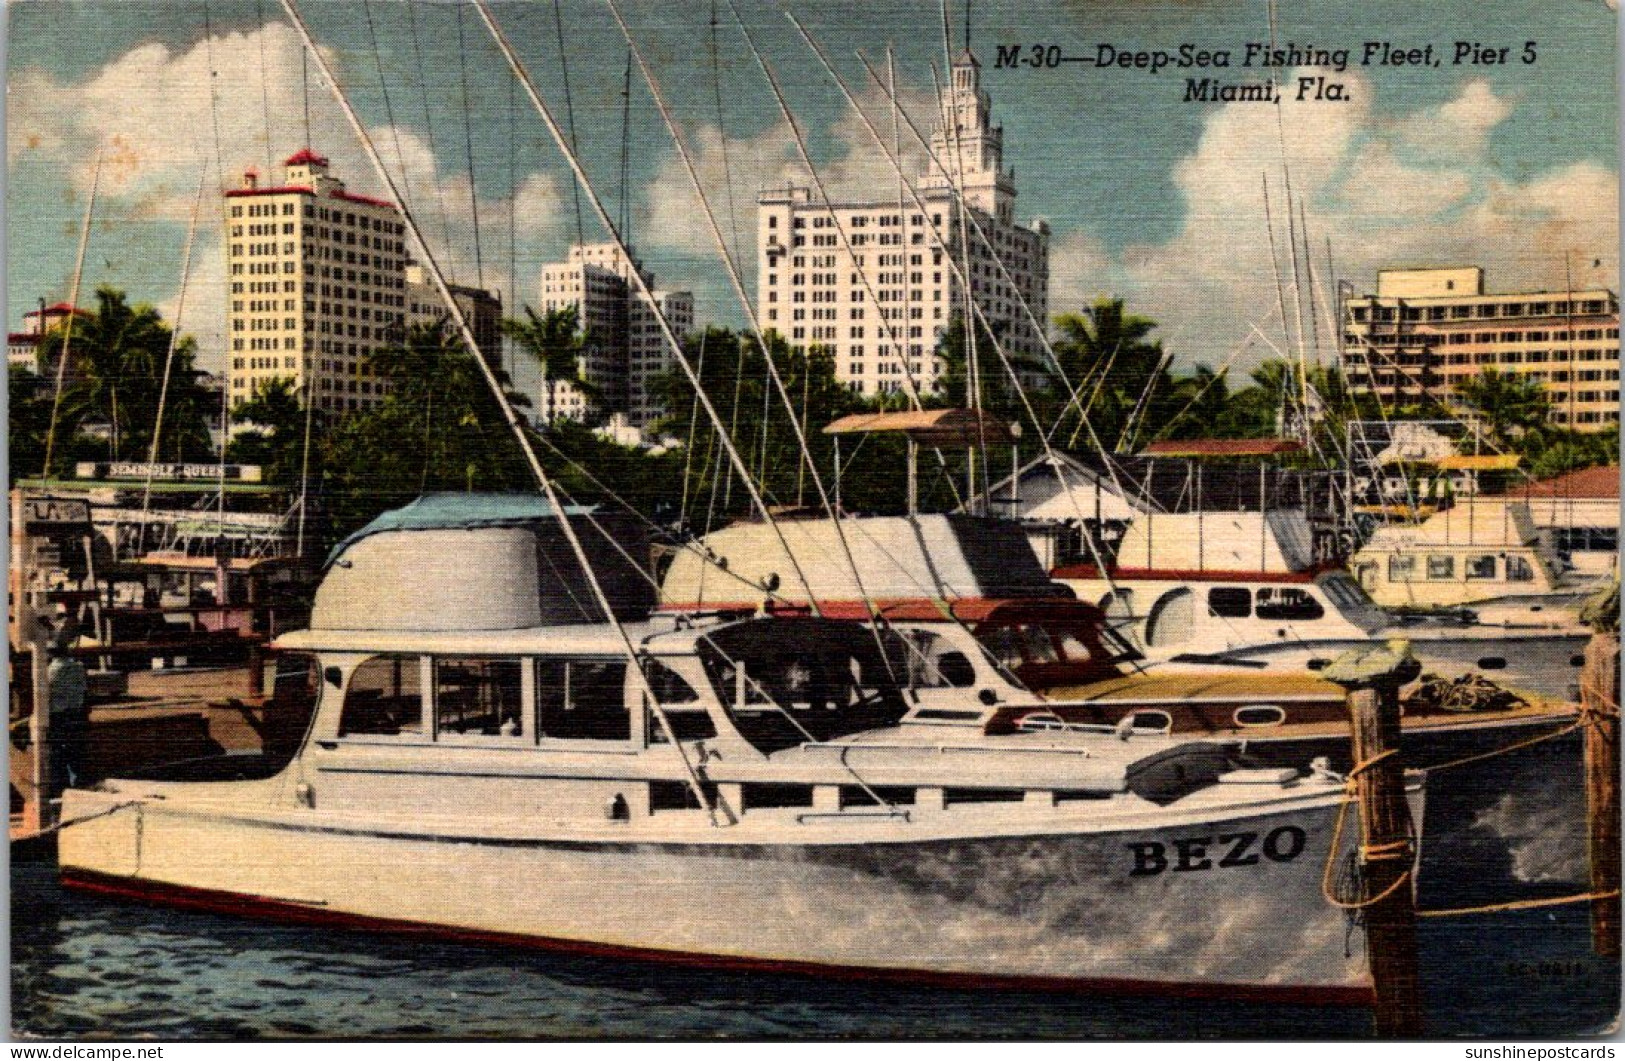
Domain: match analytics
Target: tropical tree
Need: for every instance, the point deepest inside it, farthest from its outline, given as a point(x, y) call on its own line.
point(117, 357)
point(1506, 404)
point(1115, 370)
point(555, 342)
point(437, 428)
point(277, 442)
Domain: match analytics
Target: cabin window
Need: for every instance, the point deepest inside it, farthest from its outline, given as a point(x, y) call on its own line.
point(930, 662)
point(1481, 567)
point(1229, 602)
point(1288, 603)
point(385, 698)
point(479, 696)
point(679, 703)
point(1401, 568)
point(583, 699)
point(1519, 569)
point(1441, 567)
point(1171, 619)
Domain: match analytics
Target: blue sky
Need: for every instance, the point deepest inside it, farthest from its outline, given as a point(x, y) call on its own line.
point(1513, 167)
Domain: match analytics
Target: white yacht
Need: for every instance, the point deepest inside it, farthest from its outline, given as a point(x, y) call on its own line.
point(781, 793)
point(1243, 589)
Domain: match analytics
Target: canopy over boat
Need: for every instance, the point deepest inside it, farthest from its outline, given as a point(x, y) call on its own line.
point(929, 557)
point(481, 562)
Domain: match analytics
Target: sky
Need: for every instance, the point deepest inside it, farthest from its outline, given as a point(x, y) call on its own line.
point(1512, 166)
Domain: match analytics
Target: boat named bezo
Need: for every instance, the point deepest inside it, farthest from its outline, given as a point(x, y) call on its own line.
point(786, 793)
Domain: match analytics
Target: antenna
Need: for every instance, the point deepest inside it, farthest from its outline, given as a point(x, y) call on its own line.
point(967, 25)
point(626, 150)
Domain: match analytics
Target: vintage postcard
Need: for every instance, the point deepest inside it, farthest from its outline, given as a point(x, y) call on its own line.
point(609, 519)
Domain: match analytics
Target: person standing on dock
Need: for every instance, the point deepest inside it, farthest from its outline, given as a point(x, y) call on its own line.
point(70, 717)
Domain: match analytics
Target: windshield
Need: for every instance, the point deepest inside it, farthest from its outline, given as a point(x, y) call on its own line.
point(786, 682)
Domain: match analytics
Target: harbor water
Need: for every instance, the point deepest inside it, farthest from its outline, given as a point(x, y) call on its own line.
point(87, 967)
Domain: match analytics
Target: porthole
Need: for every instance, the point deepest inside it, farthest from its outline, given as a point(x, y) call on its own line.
point(1318, 663)
point(1255, 716)
point(1577, 660)
point(1492, 663)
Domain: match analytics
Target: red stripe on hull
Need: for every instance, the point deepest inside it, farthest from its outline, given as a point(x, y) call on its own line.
point(240, 905)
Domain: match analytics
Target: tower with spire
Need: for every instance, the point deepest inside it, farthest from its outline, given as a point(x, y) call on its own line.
point(968, 147)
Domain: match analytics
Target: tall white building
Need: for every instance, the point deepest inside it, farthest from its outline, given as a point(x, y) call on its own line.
point(317, 282)
point(626, 350)
point(480, 308)
point(880, 306)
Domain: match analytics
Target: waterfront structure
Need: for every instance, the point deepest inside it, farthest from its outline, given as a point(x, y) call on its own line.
point(481, 309)
point(317, 282)
point(1426, 330)
point(23, 348)
point(626, 349)
point(879, 298)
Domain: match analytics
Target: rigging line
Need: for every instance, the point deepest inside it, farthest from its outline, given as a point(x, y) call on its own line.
point(798, 426)
point(1049, 451)
point(169, 356)
point(688, 450)
point(1275, 263)
point(468, 151)
point(1021, 299)
point(304, 80)
point(626, 151)
point(428, 125)
point(569, 115)
point(389, 110)
point(637, 277)
point(931, 155)
point(722, 134)
point(73, 318)
point(509, 364)
point(471, 349)
point(733, 427)
point(304, 464)
point(265, 88)
point(1142, 408)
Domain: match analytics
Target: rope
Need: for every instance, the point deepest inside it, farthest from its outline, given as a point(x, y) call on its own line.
point(1521, 904)
point(1385, 852)
point(1508, 748)
point(114, 809)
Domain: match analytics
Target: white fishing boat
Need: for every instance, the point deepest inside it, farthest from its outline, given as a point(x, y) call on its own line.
point(782, 793)
point(1485, 554)
point(1243, 588)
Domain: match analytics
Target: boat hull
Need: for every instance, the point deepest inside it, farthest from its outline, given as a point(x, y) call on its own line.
point(1227, 908)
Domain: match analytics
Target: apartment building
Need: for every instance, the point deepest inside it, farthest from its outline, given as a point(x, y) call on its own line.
point(316, 282)
point(625, 346)
point(873, 281)
point(1426, 330)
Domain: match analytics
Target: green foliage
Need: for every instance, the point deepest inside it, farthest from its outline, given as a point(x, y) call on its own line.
point(1117, 371)
point(117, 356)
point(555, 342)
point(438, 428)
point(278, 443)
point(1505, 403)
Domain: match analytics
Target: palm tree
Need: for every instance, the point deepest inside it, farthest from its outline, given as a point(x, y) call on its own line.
point(1105, 354)
point(117, 357)
point(1505, 404)
point(554, 341)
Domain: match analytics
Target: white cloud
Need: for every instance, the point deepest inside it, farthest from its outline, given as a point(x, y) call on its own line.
point(1377, 189)
point(735, 170)
point(148, 114)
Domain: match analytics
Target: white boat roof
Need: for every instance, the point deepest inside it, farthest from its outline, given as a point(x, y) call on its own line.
point(933, 556)
point(1484, 523)
point(578, 639)
point(1279, 540)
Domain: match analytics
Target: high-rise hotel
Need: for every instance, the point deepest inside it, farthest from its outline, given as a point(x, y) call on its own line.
point(1425, 331)
point(317, 282)
point(880, 306)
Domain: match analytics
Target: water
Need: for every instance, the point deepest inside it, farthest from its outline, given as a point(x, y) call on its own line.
point(86, 967)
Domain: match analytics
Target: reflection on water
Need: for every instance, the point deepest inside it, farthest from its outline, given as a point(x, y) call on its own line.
point(89, 967)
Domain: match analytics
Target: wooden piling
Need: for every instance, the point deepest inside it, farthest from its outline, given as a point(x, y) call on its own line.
point(1599, 694)
point(1373, 678)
